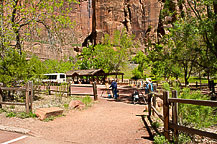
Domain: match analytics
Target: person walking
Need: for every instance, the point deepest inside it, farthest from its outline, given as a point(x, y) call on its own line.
point(114, 88)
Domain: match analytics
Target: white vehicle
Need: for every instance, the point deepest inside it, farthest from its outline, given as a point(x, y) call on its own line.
point(55, 78)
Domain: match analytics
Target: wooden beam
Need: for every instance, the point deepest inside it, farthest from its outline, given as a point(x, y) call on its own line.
point(11, 103)
point(159, 115)
point(193, 131)
point(81, 85)
point(13, 88)
point(195, 102)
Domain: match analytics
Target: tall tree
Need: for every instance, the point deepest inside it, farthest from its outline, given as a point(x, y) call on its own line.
point(23, 17)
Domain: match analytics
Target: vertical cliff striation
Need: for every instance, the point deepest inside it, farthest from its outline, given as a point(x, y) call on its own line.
point(139, 17)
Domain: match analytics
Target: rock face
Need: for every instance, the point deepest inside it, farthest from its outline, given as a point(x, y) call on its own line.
point(140, 18)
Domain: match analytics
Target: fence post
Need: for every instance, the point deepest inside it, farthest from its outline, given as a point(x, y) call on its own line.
point(49, 91)
point(154, 98)
point(69, 89)
point(175, 115)
point(27, 98)
point(31, 95)
point(166, 114)
point(1, 97)
point(149, 104)
point(95, 91)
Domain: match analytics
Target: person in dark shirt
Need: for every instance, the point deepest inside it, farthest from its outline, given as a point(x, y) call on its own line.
point(114, 88)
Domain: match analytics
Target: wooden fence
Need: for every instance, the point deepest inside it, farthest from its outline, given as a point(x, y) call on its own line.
point(28, 96)
point(173, 124)
point(68, 89)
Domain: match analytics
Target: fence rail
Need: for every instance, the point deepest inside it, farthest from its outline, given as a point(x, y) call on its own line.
point(28, 95)
point(173, 103)
point(68, 89)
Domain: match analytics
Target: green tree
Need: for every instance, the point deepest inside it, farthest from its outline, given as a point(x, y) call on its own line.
point(13, 68)
point(110, 56)
point(143, 62)
point(23, 19)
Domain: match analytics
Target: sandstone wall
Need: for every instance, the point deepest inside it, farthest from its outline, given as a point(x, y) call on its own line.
point(139, 17)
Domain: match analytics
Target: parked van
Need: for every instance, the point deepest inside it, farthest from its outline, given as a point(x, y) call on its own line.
point(55, 78)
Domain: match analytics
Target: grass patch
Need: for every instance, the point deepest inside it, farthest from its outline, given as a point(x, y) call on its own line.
point(24, 115)
point(51, 118)
point(11, 114)
point(2, 110)
point(87, 100)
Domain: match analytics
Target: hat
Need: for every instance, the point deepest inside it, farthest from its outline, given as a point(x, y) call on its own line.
point(148, 80)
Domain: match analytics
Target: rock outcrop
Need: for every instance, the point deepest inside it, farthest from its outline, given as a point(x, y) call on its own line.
point(140, 18)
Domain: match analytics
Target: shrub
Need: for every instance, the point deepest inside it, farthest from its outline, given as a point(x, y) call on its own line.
point(160, 140)
point(166, 86)
point(183, 139)
point(194, 115)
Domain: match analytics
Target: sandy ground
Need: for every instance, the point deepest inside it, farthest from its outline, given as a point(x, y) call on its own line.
point(106, 122)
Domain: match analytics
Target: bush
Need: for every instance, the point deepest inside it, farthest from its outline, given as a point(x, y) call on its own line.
point(166, 86)
point(160, 140)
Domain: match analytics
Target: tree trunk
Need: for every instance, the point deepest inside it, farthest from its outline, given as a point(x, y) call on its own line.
point(215, 27)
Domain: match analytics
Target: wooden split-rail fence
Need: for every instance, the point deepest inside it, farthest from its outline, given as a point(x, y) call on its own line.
point(28, 89)
point(172, 125)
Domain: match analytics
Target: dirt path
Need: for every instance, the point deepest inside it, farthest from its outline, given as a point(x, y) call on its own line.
point(106, 122)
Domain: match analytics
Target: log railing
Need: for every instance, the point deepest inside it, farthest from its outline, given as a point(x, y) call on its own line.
point(173, 102)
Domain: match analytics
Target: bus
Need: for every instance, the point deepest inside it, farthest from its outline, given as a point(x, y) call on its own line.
point(55, 78)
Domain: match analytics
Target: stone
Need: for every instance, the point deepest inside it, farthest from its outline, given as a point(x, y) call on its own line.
point(43, 113)
point(76, 104)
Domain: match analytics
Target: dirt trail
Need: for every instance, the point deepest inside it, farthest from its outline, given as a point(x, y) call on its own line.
point(106, 122)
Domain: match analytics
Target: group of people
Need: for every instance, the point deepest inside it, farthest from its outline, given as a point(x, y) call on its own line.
point(148, 86)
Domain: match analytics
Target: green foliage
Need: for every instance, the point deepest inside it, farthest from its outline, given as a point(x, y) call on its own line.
point(66, 106)
point(194, 115)
point(13, 68)
point(166, 86)
point(155, 124)
point(183, 139)
point(2, 110)
point(110, 56)
point(24, 115)
point(143, 62)
point(11, 114)
point(160, 140)
point(87, 100)
point(51, 118)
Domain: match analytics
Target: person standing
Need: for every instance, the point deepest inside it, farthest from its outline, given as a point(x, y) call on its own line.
point(149, 86)
point(114, 88)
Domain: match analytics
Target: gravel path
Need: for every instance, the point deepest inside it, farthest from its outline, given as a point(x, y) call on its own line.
point(106, 122)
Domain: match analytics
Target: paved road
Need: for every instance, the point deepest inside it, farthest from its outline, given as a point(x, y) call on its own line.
point(16, 138)
point(10, 137)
